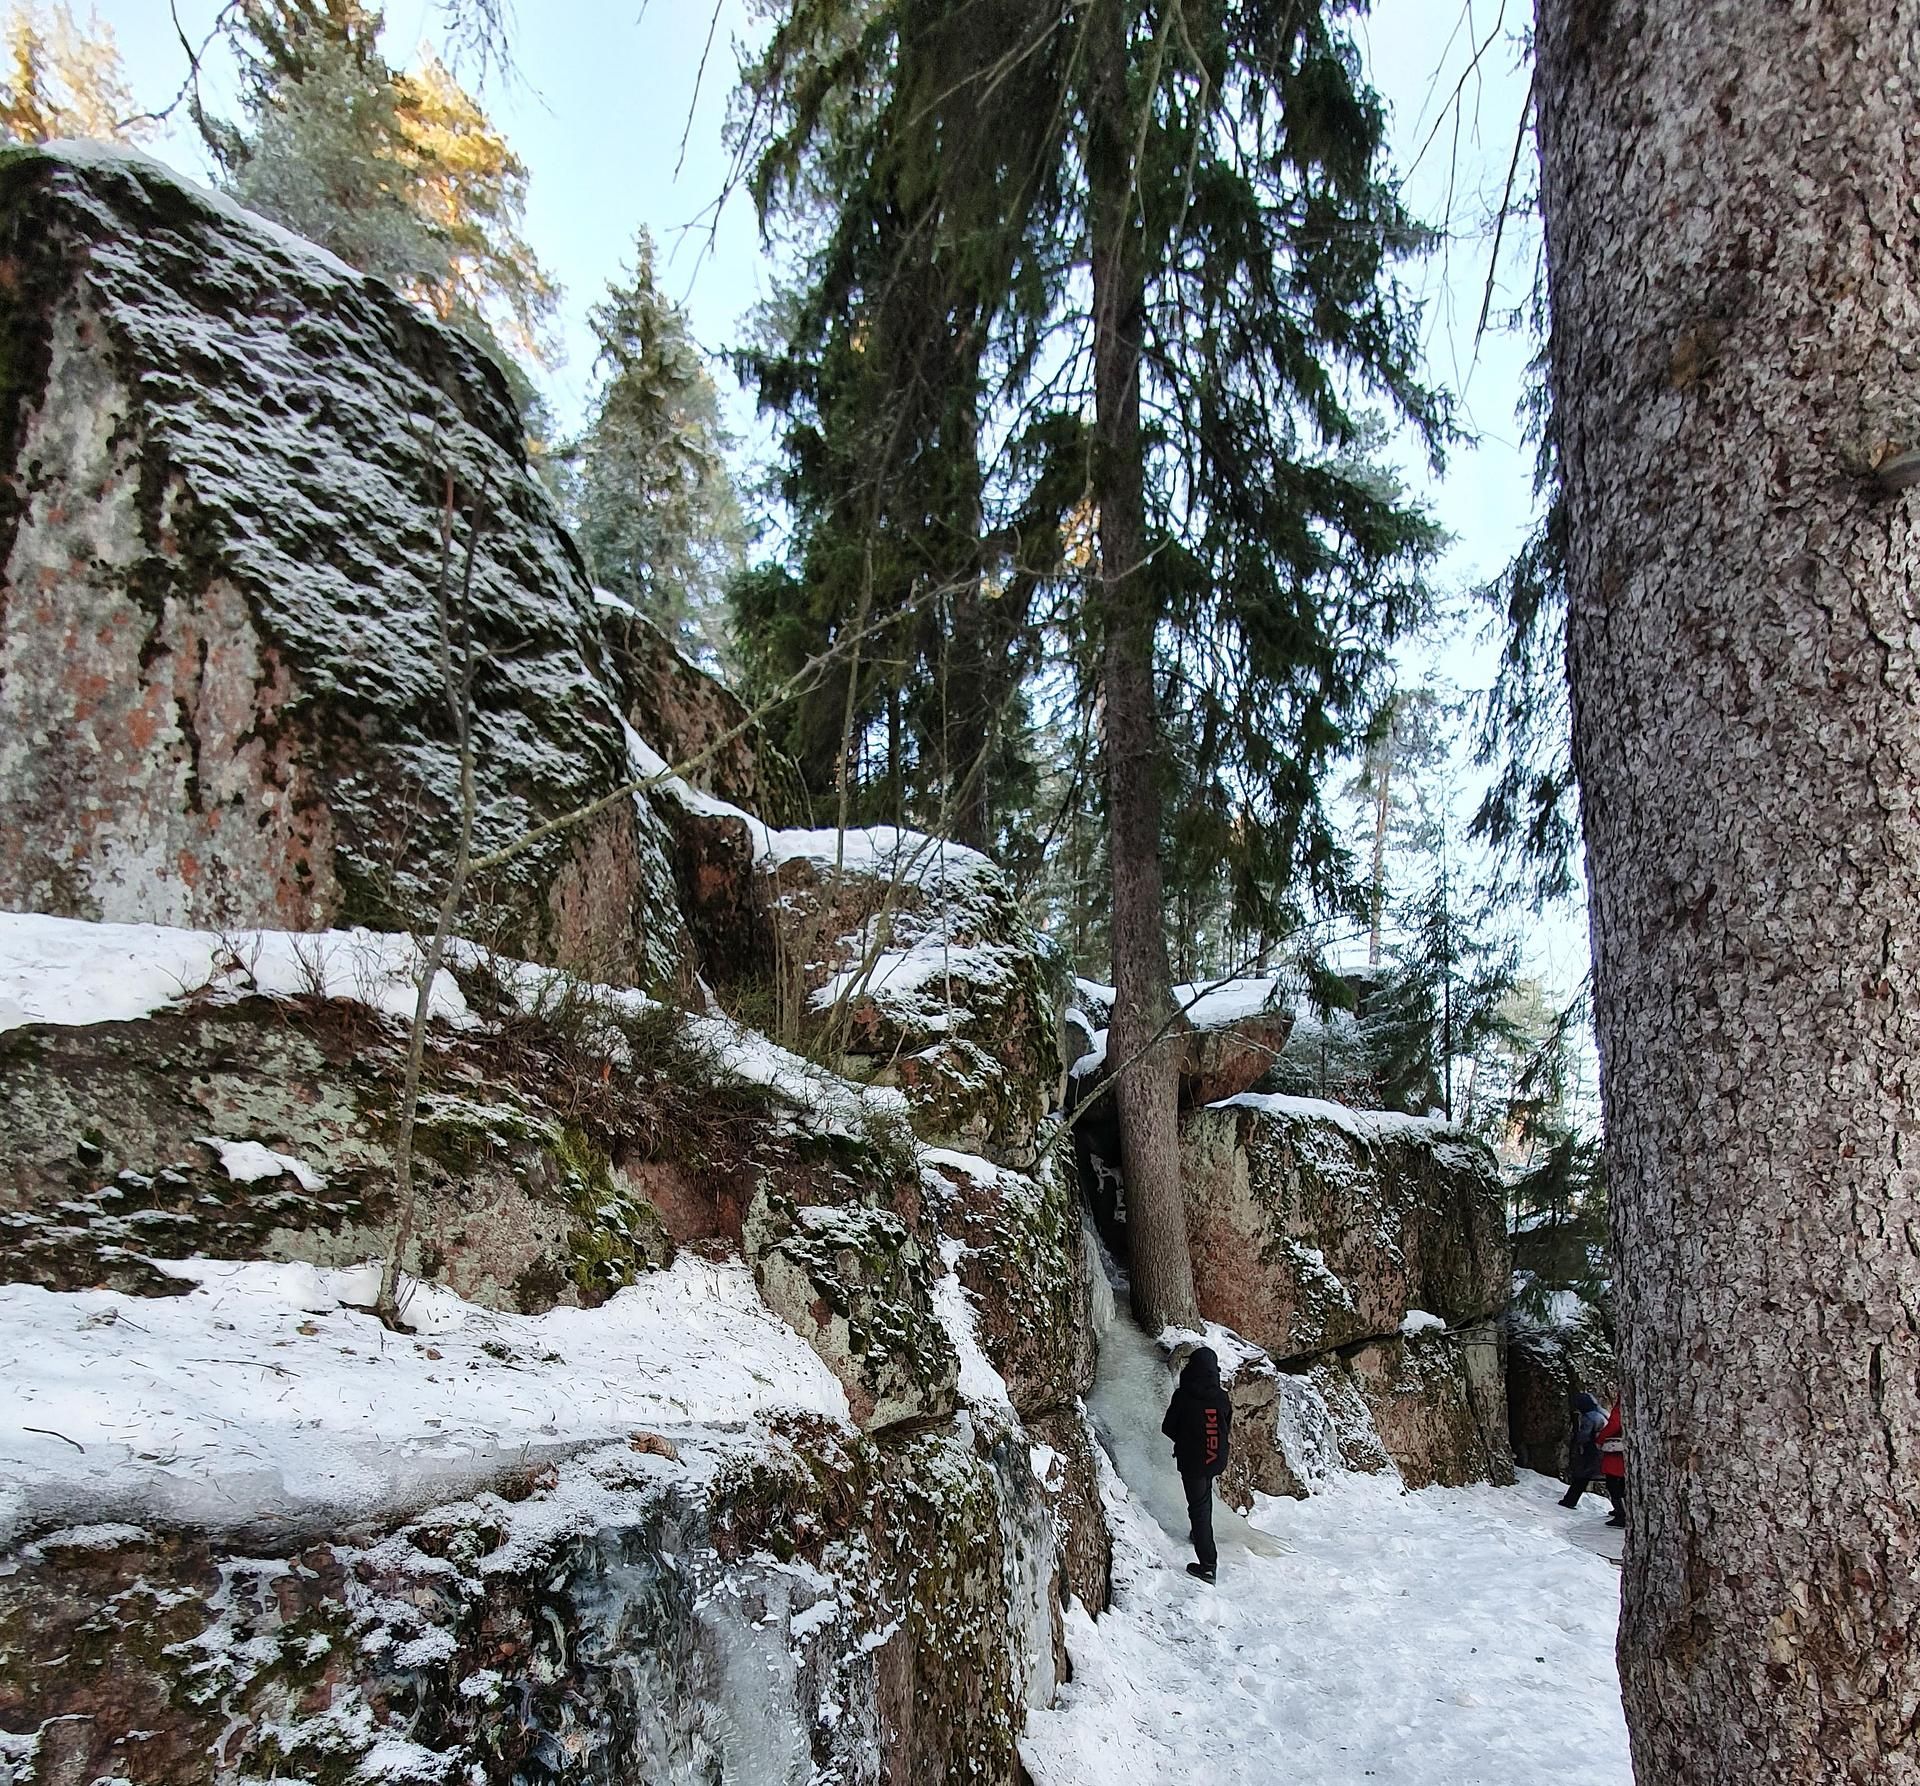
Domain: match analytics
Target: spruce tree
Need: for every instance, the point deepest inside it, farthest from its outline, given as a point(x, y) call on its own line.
point(1727, 191)
point(400, 174)
point(655, 508)
point(1203, 239)
point(896, 143)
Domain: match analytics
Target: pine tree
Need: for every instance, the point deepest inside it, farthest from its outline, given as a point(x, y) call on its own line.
point(400, 174)
point(655, 508)
point(64, 80)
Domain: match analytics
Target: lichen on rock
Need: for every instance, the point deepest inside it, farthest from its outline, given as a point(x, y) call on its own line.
point(1313, 1226)
point(228, 458)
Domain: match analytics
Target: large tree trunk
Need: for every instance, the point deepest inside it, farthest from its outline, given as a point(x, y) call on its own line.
point(1147, 1084)
point(971, 691)
point(1735, 280)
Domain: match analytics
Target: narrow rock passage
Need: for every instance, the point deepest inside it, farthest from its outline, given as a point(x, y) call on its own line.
point(1129, 1399)
point(1449, 1637)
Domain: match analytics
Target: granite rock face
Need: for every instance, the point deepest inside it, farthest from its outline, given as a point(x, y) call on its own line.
point(902, 958)
point(1314, 1226)
point(224, 471)
point(882, 1593)
point(692, 719)
point(226, 460)
point(1015, 1242)
point(1357, 1261)
point(817, 1606)
point(1547, 1361)
point(114, 1141)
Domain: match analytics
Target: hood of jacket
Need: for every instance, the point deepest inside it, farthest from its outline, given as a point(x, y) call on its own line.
point(1202, 1372)
point(1585, 1404)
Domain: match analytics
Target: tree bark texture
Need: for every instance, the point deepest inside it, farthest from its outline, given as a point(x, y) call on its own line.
point(1146, 1086)
point(1734, 270)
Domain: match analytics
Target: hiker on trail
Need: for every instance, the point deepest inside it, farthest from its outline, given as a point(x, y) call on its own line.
point(1612, 1439)
point(1583, 1449)
point(1197, 1421)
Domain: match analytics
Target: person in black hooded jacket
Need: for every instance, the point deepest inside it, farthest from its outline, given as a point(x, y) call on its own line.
point(1197, 1422)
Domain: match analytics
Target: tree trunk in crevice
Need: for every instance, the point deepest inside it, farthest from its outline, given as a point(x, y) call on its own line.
point(1146, 1089)
point(1734, 274)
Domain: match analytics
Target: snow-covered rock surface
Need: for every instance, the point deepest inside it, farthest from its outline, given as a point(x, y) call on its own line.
point(691, 718)
point(670, 1272)
point(1315, 1225)
point(222, 694)
point(267, 1400)
point(903, 957)
point(1366, 1250)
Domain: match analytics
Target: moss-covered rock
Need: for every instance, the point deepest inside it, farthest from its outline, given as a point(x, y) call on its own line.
point(857, 1286)
point(113, 1140)
point(902, 960)
point(1020, 1257)
point(227, 460)
point(1067, 1466)
point(1435, 1406)
point(792, 1605)
point(691, 719)
point(1314, 1227)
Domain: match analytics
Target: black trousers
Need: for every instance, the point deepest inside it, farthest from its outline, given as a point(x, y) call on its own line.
point(1199, 1487)
point(1577, 1487)
point(1617, 1494)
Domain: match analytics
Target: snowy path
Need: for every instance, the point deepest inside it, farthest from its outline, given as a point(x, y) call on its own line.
point(1451, 1637)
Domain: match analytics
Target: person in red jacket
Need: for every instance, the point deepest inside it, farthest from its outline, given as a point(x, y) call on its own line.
point(1612, 1440)
point(1197, 1422)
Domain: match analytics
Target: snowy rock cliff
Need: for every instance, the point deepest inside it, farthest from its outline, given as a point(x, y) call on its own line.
point(735, 1431)
point(225, 458)
point(1351, 1265)
point(736, 1435)
point(1364, 1255)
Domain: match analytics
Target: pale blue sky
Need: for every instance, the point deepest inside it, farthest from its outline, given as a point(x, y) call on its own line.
point(606, 89)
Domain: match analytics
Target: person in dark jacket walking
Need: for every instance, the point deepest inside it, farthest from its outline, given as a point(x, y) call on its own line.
point(1197, 1422)
point(1583, 1449)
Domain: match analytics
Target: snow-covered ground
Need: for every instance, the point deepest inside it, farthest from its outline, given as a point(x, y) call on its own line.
point(266, 1397)
point(1450, 1637)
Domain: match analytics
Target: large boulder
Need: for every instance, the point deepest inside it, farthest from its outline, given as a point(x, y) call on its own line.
point(1235, 1031)
point(1350, 1264)
point(1425, 1405)
point(918, 969)
point(226, 460)
point(1224, 1040)
point(1437, 1401)
point(877, 1578)
point(1314, 1226)
point(695, 721)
